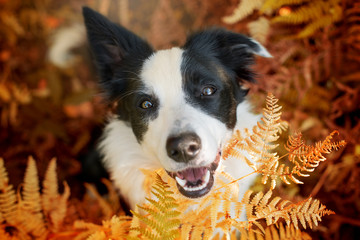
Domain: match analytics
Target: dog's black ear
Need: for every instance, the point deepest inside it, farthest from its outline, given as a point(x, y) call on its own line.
point(112, 45)
point(233, 50)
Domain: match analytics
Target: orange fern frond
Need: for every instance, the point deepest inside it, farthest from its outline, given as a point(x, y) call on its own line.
point(306, 158)
point(162, 221)
point(307, 212)
point(97, 236)
point(303, 157)
point(257, 148)
point(54, 205)
point(32, 214)
point(30, 203)
point(115, 228)
point(262, 141)
point(232, 145)
point(88, 229)
point(275, 232)
point(50, 186)
point(8, 206)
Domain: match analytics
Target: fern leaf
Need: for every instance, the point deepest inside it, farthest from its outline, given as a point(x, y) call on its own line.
point(213, 212)
point(4, 180)
point(119, 226)
point(50, 187)
point(259, 29)
point(275, 4)
point(185, 231)
point(305, 158)
point(161, 221)
point(197, 233)
point(135, 224)
point(303, 14)
point(90, 228)
point(307, 212)
point(31, 190)
point(234, 143)
point(30, 204)
point(97, 236)
point(54, 205)
point(58, 214)
point(285, 232)
point(244, 9)
point(315, 14)
point(260, 142)
point(323, 22)
point(8, 207)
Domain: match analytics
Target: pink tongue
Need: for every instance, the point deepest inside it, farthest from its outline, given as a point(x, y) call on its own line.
point(193, 174)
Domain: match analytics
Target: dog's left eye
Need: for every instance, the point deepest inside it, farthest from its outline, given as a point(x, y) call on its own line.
point(208, 91)
point(146, 104)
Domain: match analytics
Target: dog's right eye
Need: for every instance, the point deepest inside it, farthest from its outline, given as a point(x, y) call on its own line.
point(146, 104)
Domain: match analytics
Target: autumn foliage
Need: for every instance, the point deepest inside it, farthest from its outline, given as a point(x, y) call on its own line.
point(169, 215)
point(49, 109)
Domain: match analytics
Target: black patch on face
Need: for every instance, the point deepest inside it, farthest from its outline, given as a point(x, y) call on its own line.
point(138, 116)
point(129, 101)
point(221, 60)
point(120, 55)
point(198, 74)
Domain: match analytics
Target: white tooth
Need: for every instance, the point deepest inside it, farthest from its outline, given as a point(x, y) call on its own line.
point(207, 177)
point(192, 189)
point(181, 182)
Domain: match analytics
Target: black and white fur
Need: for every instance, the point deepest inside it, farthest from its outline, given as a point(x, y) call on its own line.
point(175, 108)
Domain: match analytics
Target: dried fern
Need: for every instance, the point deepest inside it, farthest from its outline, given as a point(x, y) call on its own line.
point(54, 205)
point(223, 213)
point(163, 217)
point(115, 228)
point(307, 212)
point(32, 214)
point(275, 4)
point(161, 222)
point(244, 9)
point(260, 146)
point(8, 207)
point(259, 29)
point(276, 232)
point(30, 203)
point(316, 14)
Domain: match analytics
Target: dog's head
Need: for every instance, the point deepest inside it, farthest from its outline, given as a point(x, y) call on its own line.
point(180, 103)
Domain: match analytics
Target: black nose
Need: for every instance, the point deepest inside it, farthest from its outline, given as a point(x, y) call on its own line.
point(183, 147)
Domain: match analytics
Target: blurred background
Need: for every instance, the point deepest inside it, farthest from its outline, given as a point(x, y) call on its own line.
point(50, 104)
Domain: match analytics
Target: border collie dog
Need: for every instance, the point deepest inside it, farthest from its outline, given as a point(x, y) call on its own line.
point(174, 108)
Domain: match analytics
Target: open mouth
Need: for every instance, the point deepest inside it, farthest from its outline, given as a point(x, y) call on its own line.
point(196, 182)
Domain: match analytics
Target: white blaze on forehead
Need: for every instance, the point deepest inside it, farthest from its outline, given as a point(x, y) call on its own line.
point(162, 74)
